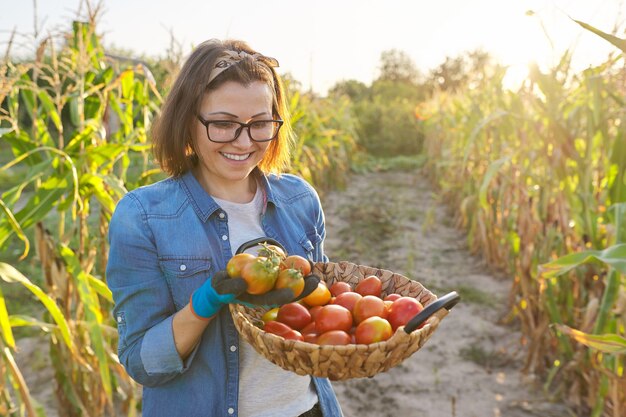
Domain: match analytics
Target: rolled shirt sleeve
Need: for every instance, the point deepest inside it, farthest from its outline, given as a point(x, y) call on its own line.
point(158, 351)
point(144, 307)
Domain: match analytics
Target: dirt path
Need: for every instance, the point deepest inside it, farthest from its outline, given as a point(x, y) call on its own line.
point(471, 365)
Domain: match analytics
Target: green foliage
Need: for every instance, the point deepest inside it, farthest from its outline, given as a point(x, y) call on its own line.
point(368, 162)
point(386, 123)
point(75, 124)
point(534, 175)
point(354, 90)
point(388, 127)
point(388, 112)
point(326, 140)
point(398, 67)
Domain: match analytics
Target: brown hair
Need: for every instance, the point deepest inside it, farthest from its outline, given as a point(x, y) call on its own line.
point(171, 132)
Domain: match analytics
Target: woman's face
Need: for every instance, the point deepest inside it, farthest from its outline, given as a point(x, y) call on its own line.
point(223, 165)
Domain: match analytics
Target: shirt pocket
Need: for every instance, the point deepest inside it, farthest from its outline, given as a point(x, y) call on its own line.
point(184, 275)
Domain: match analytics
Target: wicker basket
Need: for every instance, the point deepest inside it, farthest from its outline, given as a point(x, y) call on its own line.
point(346, 361)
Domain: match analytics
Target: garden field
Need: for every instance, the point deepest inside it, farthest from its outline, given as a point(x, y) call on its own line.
point(516, 199)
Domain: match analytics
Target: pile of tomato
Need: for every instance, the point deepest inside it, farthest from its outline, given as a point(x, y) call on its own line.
point(341, 315)
point(270, 269)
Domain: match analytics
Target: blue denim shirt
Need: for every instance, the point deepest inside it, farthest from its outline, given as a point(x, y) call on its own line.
point(167, 239)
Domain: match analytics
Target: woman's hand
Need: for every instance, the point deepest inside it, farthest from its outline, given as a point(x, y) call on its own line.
point(220, 290)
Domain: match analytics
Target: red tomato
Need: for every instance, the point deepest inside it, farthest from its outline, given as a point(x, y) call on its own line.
point(333, 317)
point(292, 279)
point(339, 287)
point(282, 330)
point(371, 330)
point(294, 335)
point(387, 305)
point(371, 285)
point(348, 299)
point(294, 315)
point(309, 328)
point(310, 337)
point(236, 263)
point(296, 262)
point(314, 310)
point(334, 337)
point(368, 306)
point(276, 327)
point(402, 310)
point(260, 274)
point(391, 297)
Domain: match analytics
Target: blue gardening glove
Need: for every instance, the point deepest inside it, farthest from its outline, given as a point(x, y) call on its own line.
point(207, 300)
point(216, 292)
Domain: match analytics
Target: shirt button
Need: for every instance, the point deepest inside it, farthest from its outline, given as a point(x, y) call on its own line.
point(231, 410)
point(224, 237)
point(233, 348)
point(222, 215)
point(183, 267)
point(119, 320)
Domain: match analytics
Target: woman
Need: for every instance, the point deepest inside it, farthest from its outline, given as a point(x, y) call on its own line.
point(222, 136)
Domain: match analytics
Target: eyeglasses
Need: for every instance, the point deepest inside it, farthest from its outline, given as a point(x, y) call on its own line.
point(224, 131)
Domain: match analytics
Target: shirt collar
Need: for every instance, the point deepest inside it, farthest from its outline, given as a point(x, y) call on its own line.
point(204, 205)
point(268, 193)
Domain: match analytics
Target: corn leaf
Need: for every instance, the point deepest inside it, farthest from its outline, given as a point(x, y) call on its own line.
point(477, 129)
point(20, 320)
point(51, 110)
point(5, 323)
point(620, 43)
point(37, 207)
point(608, 343)
point(35, 172)
point(100, 287)
point(614, 256)
point(96, 186)
point(5, 130)
point(493, 169)
point(93, 314)
point(11, 275)
point(20, 383)
point(21, 143)
point(15, 227)
point(28, 97)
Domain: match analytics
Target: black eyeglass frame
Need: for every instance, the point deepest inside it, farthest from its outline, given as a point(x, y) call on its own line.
point(242, 126)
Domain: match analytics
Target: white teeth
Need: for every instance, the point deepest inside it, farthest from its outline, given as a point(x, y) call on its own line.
point(236, 157)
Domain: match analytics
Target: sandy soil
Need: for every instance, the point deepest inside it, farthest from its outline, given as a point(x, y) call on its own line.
point(471, 365)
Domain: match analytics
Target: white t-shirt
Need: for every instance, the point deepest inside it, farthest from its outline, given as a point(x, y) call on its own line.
point(259, 379)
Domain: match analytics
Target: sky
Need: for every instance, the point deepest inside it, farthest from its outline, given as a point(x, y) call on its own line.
point(321, 42)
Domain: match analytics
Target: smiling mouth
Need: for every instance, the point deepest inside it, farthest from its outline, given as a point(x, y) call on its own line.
point(236, 157)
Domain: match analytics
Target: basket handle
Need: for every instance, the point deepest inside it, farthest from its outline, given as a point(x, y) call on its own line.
point(254, 242)
point(447, 301)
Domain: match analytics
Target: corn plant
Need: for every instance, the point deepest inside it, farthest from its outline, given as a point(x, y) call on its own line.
point(606, 339)
point(536, 174)
point(326, 141)
point(76, 124)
